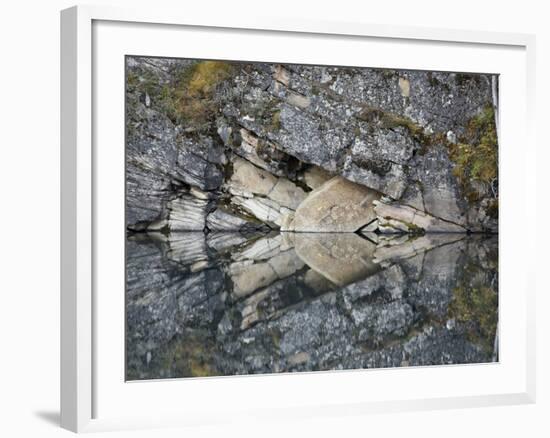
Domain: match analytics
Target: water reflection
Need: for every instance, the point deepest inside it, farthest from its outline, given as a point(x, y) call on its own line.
point(226, 303)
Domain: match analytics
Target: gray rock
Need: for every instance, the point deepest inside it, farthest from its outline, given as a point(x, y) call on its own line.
point(223, 220)
point(315, 176)
point(408, 219)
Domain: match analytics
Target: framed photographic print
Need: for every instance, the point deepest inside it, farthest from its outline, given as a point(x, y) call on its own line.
point(269, 217)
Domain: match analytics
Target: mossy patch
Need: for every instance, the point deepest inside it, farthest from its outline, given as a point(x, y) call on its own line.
point(189, 356)
point(414, 229)
point(193, 94)
point(189, 98)
point(476, 154)
point(477, 309)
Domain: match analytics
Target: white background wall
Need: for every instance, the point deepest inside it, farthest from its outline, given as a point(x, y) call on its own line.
point(29, 218)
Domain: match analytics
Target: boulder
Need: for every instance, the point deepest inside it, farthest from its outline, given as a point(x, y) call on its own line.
point(338, 205)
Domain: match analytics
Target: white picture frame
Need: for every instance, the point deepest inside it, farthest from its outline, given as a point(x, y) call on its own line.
point(83, 374)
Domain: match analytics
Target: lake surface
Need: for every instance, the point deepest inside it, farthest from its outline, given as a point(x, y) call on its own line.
point(226, 304)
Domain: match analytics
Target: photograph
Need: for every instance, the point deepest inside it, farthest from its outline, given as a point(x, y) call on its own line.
point(290, 218)
point(242, 219)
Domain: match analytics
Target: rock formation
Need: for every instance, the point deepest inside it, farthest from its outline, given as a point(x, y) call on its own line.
point(308, 148)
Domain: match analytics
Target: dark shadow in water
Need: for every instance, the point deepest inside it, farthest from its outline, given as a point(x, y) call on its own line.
point(226, 304)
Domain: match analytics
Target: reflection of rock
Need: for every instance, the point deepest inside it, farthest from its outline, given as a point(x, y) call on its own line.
point(390, 282)
point(248, 277)
point(341, 258)
point(262, 249)
point(221, 242)
point(187, 248)
point(406, 246)
point(263, 209)
point(337, 205)
point(376, 321)
point(256, 307)
point(261, 264)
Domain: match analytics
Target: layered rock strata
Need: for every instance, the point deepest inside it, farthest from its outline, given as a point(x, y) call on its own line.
point(218, 146)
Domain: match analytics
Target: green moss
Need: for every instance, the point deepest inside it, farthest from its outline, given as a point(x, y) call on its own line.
point(189, 355)
point(189, 98)
point(206, 75)
point(477, 309)
point(193, 94)
point(414, 229)
point(476, 155)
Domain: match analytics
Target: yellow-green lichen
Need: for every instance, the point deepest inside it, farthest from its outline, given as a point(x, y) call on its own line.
point(477, 308)
point(476, 154)
point(188, 99)
point(193, 94)
point(189, 356)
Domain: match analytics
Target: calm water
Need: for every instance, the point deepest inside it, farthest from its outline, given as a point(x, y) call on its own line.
point(226, 304)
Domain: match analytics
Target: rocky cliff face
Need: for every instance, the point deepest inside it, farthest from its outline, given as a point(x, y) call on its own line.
point(214, 146)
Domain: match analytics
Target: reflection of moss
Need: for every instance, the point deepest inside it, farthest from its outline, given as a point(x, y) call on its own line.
point(188, 356)
point(492, 209)
point(476, 155)
point(477, 309)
